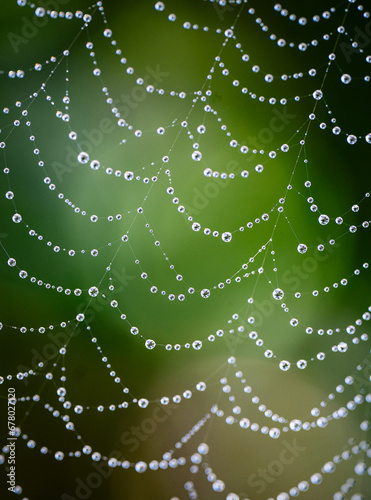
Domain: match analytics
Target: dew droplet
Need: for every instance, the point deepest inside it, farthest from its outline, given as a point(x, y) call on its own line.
point(83, 157)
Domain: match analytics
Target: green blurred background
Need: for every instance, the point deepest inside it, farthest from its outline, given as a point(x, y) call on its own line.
point(340, 177)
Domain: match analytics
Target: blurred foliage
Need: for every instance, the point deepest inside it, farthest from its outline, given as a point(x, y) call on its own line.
point(339, 174)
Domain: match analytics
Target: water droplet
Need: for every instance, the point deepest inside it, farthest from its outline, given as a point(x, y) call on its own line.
point(284, 365)
point(301, 364)
point(197, 344)
point(345, 78)
point(196, 155)
point(203, 449)
point(59, 455)
point(160, 6)
point(218, 485)
point(143, 403)
point(201, 386)
point(40, 12)
point(141, 466)
point(351, 139)
point(83, 157)
point(150, 344)
point(323, 219)
point(93, 291)
point(274, 432)
point(295, 425)
point(278, 294)
point(17, 218)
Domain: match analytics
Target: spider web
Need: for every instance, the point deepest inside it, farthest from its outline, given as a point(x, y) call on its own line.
point(185, 251)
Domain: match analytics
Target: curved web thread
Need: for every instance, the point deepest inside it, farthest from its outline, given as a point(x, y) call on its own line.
point(261, 260)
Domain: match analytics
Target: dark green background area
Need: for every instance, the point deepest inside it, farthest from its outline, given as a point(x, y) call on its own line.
point(340, 177)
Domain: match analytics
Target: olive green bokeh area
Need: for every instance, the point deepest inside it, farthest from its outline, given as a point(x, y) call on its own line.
point(339, 173)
